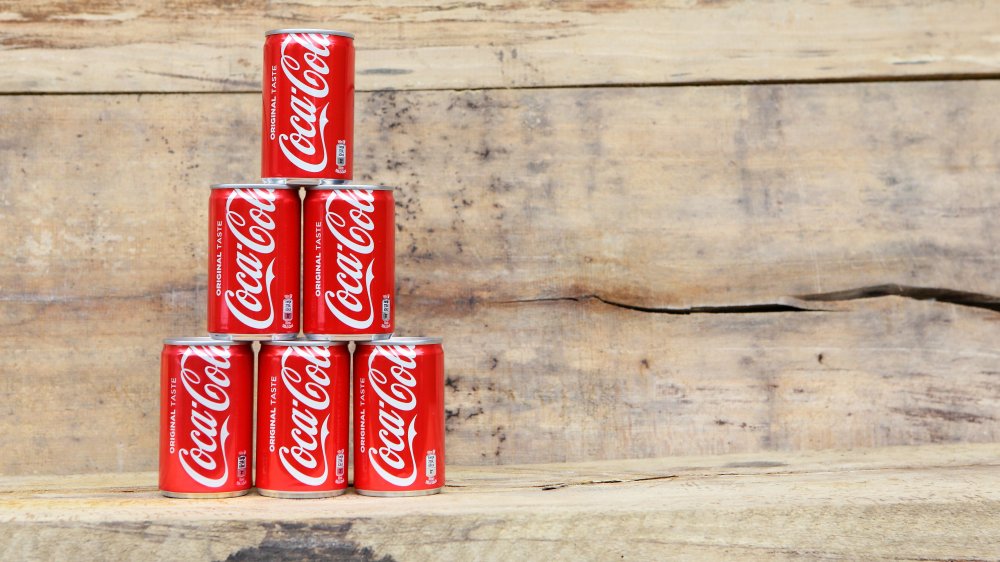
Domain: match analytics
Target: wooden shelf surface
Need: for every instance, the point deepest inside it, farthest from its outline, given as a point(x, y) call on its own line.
point(899, 503)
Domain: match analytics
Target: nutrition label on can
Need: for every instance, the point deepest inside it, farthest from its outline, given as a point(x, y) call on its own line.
point(241, 468)
point(341, 153)
point(430, 466)
point(341, 466)
point(287, 310)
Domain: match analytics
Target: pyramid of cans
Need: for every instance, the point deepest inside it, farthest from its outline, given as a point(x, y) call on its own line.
point(332, 254)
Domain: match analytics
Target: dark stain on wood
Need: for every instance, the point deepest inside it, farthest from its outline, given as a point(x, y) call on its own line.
point(386, 71)
point(942, 414)
point(755, 464)
point(500, 436)
point(306, 541)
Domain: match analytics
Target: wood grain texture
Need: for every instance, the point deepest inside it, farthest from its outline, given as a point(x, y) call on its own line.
point(193, 45)
point(560, 381)
point(924, 503)
point(524, 216)
point(657, 197)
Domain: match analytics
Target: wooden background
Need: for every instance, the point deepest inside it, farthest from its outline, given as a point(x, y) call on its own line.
point(643, 228)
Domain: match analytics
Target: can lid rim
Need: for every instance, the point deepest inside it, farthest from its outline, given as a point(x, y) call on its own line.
point(348, 187)
point(309, 30)
point(201, 341)
point(253, 186)
point(404, 340)
point(305, 343)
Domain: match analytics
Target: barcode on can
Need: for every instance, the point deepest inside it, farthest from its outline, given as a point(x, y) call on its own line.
point(286, 309)
point(341, 153)
point(431, 463)
point(386, 306)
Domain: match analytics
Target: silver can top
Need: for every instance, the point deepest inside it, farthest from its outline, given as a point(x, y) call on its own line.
point(348, 186)
point(253, 186)
point(202, 340)
point(304, 343)
point(422, 340)
point(308, 30)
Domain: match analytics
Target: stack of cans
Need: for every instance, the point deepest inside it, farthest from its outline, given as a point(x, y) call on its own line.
point(332, 256)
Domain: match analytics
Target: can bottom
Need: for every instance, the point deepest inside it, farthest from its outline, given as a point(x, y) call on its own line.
point(304, 182)
point(204, 495)
point(348, 337)
point(254, 337)
point(301, 495)
point(400, 494)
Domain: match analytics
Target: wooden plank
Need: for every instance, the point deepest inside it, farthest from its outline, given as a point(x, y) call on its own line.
point(549, 382)
point(893, 504)
point(101, 46)
point(656, 197)
point(748, 196)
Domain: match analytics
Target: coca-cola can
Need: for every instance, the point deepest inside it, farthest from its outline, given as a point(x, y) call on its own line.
point(206, 417)
point(303, 412)
point(308, 125)
point(253, 261)
point(349, 262)
point(399, 417)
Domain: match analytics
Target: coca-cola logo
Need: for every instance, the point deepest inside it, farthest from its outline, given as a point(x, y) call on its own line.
point(351, 303)
point(304, 375)
point(308, 82)
point(249, 217)
point(206, 381)
point(391, 378)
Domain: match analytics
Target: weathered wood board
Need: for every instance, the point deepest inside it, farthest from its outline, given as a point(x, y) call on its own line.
point(655, 197)
point(102, 46)
point(513, 204)
point(553, 231)
point(555, 381)
point(925, 503)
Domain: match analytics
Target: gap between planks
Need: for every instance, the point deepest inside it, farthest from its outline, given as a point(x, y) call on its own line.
point(965, 77)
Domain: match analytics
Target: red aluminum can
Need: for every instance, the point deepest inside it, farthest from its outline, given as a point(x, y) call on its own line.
point(349, 262)
point(253, 261)
point(206, 418)
point(308, 125)
point(303, 411)
point(399, 417)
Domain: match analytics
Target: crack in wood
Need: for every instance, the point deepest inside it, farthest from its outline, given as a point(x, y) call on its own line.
point(560, 485)
point(950, 296)
point(247, 87)
point(729, 309)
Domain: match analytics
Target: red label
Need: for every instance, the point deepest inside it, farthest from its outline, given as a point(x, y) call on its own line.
point(349, 263)
point(302, 418)
point(253, 261)
point(308, 106)
point(206, 407)
point(398, 418)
